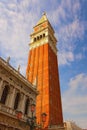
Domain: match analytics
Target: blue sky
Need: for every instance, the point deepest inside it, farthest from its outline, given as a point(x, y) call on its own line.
point(69, 20)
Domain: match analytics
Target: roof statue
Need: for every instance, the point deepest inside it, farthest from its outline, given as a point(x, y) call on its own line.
point(8, 59)
point(19, 68)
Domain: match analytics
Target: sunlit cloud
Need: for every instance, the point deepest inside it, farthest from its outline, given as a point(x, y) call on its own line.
point(75, 98)
point(67, 37)
point(16, 24)
point(65, 58)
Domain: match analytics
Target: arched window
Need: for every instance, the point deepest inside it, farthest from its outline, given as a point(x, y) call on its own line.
point(16, 101)
point(4, 94)
point(35, 39)
point(44, 35)
point(40, 36)
point(27, 106)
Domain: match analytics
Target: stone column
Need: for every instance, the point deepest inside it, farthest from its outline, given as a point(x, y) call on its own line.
point(1, 88)
point(1, 83)
point(8, 97)
point(11, 97)
point(29, 108)
point(21, 106)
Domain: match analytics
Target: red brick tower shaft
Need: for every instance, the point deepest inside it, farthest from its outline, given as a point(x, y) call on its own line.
point(43, 66)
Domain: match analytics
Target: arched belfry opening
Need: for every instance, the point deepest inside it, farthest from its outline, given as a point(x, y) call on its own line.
point(17, 99)
point(4, 94)
point(27, 104)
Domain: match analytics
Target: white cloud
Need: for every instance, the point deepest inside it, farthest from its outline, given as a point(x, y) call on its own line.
point(72, 8)
point(65, 11)
point(75, 99)
point(71, 32)
point(65, 57)
point(67, 37)
point(57, 14)
point(78, 80)
point(16, 24)
point(3, 25)
point(18, 18)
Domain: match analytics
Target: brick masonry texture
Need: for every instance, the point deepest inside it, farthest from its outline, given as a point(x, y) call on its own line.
point(42, 64)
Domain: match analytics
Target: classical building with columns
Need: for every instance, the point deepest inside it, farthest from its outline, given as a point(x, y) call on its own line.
point(70, 125)
point(16, 94)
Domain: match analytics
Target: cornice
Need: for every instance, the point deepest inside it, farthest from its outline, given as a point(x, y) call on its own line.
point(15, 73)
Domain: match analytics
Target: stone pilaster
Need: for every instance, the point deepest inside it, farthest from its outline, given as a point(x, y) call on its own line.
point(11, 97)
point(1, 84)
point(29, 108)
point(1, 88)
point(21, 106)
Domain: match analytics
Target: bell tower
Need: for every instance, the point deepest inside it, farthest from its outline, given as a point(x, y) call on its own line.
point(43, 66)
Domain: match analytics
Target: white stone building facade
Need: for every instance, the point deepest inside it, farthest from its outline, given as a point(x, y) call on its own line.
point(70, 125)
point(16, 94)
